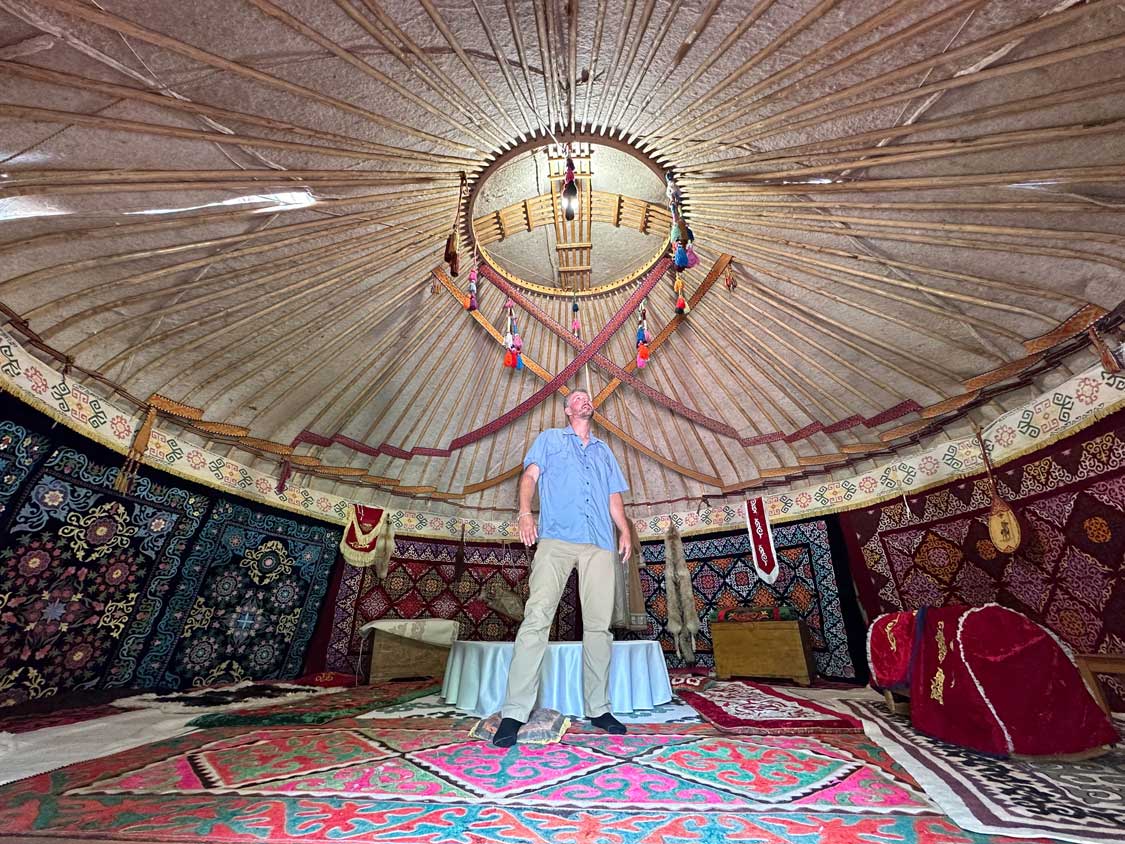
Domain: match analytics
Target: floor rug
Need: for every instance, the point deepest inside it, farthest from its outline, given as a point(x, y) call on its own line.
point(1069, 801)
point(244, 695)
point(745, 708)
point(322, 708)
point(42, 720)
point(410, 781)
point(434, 706)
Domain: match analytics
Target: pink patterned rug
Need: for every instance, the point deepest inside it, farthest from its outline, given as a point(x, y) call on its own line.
point(745, 708)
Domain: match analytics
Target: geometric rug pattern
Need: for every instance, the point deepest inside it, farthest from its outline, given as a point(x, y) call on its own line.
point(723, 577)
point(1069, 572)
point(1082, 801)
point(423, 780)
point(423, 581)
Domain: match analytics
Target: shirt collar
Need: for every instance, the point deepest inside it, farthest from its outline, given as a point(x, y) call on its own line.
point(569, 429)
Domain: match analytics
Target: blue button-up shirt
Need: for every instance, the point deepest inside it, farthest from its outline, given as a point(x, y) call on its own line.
point(575, 483)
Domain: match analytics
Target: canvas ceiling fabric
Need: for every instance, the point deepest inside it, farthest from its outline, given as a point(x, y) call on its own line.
point(165, 587)
point(422, 582)
point(1069, 573)
point(813, 581)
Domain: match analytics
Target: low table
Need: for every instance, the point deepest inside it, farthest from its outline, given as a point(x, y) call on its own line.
point(476, 677)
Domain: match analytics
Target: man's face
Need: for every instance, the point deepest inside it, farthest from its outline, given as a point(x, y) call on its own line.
point(579, 405)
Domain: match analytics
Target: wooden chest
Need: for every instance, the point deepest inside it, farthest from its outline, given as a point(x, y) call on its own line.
point(763, 649)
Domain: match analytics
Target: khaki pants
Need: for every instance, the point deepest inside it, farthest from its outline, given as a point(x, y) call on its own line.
point(549, 572)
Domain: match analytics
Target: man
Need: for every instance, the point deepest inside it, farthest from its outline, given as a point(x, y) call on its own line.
point(580, 486)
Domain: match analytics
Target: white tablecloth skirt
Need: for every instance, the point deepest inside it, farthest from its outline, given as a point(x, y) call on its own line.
point(476, 677)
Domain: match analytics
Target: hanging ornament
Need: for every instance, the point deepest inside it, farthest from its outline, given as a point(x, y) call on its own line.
point(692, 258)
point(569, 195)
point(681, 257)
point(672, 190)
point(472, 303)
point(681, 305)
point(729, 281)
point(642, 355)
point(453, 242)
point(513, 343)
point(575, 324)
point(1004, 527)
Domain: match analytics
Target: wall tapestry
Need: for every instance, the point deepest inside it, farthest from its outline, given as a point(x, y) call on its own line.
point(422, 583)
point(86, 573)
point(248, 601)
point(166, 587)
point(1069, 573)
point(808, 554)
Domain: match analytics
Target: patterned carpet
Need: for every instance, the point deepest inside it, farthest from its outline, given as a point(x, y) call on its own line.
point(1081, 801)
point(746, 708)
point(414, 780)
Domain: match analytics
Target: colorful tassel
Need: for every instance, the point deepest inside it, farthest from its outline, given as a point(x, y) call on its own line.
point(681, 305)
point(681, 258)
point(672, 190)
point(642, 355)
point(678, 285)
point(692, 258)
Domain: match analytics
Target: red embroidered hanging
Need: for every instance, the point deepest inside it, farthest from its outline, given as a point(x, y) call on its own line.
point(368, 538)
point(761, 540)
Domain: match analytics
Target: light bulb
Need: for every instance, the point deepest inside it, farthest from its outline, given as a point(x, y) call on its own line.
point(570, 200)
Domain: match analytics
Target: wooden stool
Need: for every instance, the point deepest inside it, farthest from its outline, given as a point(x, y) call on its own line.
point(1091, 665)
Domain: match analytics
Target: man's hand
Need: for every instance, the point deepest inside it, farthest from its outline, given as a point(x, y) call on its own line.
point(624, 546)
point(529, 530)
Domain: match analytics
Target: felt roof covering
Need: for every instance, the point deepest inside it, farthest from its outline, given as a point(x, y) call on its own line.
point(907, 214)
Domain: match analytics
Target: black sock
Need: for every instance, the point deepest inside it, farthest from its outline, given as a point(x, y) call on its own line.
point(507, 732)
point(610, 724)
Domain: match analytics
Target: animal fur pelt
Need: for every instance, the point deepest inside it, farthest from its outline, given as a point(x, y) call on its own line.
point(504, 601)
point(683, 618)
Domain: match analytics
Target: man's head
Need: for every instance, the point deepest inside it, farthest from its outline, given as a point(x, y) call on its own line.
point(578, 405)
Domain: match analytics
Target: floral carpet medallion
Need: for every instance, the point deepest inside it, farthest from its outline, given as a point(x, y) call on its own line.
point(744, 708)
point(412, 781)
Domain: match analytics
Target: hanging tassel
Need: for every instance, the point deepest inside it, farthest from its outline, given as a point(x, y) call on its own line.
point(692, 258)
point(678, 285)
point(681, 305)
point(450, 248)
point(729, 281)
point(672, 190)
point(681, 257)
point(124, 480)
point(674, 235)
point(283, 477)
point(642, 355)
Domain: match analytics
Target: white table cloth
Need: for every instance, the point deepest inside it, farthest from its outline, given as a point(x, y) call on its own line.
point(476, 677)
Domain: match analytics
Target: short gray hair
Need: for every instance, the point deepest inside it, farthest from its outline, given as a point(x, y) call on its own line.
point(566, 398)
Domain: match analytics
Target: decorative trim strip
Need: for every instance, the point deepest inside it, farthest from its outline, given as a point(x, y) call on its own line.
point(1067, 409)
